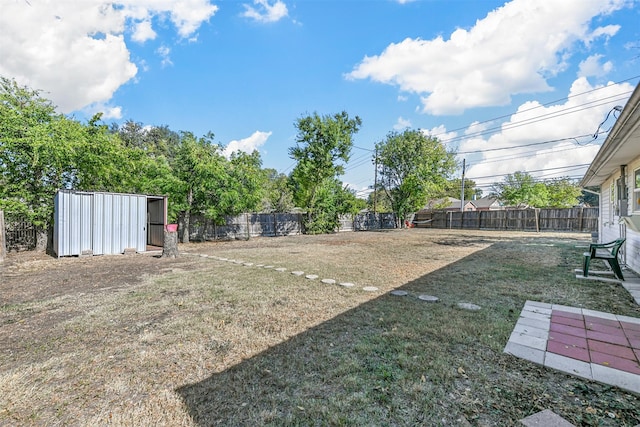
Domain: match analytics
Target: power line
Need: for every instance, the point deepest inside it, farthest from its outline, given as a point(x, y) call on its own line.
point(548, 116)
point(536, 107)
point(526, 145)
point(537, 170)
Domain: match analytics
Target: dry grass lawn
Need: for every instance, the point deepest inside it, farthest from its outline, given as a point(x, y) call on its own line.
point(140, 340)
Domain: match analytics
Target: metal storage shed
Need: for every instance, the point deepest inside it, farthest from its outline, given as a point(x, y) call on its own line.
point(94, 223)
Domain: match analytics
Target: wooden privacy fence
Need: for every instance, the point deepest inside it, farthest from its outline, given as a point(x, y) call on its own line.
point(571, 219)
point(245, 225)
point(249, 225)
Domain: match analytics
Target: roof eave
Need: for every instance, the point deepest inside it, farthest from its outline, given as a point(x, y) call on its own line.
point(616, 150)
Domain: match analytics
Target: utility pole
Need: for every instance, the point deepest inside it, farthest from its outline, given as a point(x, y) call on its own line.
point(464, 161)
point(375, 183)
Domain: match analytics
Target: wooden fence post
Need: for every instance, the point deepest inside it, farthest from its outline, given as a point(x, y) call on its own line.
point(580, 220)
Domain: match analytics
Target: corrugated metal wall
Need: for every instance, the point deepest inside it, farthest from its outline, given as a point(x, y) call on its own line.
point(99, 223)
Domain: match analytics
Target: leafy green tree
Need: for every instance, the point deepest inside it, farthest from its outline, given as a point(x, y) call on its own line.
point(153, 140)
point(200, 168)
point(246, 183)
point(333, 200)
point(453, 188)
point(413, 168)
point(590, 196)
point(523, 190)
point(563, 193)
point(37, 154)
point(323, 144)
point(378, 201)
point(103, 162)
point(520, 189)
point(277, 195)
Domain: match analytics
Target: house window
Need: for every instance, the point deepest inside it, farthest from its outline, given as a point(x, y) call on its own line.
point(636, 190)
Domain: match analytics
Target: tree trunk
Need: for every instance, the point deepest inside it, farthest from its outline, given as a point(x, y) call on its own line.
point(187, 217)
point(3, 238)
point(42, 238)
point(170, 245)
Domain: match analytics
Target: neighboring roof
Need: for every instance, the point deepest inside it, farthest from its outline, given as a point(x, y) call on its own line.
point(485, 202)
point(444, 203)
point(621, 146)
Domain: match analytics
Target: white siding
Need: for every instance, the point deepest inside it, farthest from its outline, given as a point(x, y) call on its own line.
point(610, 226)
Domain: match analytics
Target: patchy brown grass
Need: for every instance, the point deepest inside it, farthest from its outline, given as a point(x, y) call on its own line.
point(138, 340)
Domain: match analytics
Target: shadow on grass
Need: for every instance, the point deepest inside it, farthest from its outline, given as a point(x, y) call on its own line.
point(402, 361)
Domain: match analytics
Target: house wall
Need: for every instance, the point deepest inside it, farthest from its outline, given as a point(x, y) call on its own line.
point(611, 227)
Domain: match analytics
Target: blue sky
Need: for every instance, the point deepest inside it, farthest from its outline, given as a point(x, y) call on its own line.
point(516, 85)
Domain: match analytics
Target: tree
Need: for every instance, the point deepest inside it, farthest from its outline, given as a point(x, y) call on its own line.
point(453, 188)
point(563, 193)
point(413, 168)
point(378, 201)
point(590, 196)
point(277, 195)
point(523, 190)
point(200, 168)
point(37, 154)
point(322, 143)
point(245, 184)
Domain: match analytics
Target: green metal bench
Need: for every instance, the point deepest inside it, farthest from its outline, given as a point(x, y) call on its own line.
point(607, 252)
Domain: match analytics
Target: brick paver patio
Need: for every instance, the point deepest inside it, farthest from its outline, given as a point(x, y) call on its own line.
point(590, 344)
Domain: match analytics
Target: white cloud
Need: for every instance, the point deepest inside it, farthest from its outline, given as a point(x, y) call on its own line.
point(164, 52)
point(476, 127)
point(76, 51)
point(513, 50)
point(402, 124)
point(247, 145)
point(265, 11)
point(403, 98)
point(361, 192)
point(592, 67)
point(579, 116)
point(108, 112)
point(441, 133)
point(143, 32)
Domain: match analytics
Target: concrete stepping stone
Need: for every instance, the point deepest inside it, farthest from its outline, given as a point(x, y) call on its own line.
point(328, 281)
point(370, 288)
point(469, 306)
point(260, 265)
point(204, 256)
point(297, 273)
point(346, 284)
point(311, 276)
point(399, 293)
point(546, 418)
point(428, 298)
point(223, 259)
point(248, 264)
point(268, 266)
point(280, 269)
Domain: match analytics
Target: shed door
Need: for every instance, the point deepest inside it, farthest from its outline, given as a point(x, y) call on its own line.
point(155, 222)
